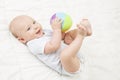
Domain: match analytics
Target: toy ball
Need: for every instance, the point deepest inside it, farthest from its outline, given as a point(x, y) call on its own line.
point(67, 21)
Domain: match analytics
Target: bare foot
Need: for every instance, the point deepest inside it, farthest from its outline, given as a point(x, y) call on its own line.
point(82, 30)
point(87, 24)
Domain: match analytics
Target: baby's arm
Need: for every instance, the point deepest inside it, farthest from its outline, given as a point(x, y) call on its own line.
point(55, 41)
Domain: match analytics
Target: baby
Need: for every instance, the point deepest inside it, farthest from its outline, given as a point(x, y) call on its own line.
point(47, 45)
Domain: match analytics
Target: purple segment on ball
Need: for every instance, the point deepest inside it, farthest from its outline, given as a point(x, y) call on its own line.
point(52, 18)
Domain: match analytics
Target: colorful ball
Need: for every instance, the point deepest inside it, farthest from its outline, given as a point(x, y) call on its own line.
point(67, 21)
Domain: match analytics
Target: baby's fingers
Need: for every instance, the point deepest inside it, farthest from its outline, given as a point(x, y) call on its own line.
point(58, 20)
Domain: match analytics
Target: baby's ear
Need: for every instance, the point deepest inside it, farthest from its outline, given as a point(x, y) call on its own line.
point(22, 40)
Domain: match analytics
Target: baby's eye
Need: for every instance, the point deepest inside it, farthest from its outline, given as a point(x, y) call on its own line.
point(34, 22)
point(28, 28)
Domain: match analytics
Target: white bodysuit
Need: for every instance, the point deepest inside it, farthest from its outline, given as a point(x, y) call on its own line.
point(36, 46)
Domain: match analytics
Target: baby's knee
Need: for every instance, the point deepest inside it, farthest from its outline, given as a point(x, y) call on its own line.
point(64, 56)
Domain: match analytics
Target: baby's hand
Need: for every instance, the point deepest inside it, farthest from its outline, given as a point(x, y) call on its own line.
point(56, 23)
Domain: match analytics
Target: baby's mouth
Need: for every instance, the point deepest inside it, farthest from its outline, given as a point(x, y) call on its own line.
point(38, 32)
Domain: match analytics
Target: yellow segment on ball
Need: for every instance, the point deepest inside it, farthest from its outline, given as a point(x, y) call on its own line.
point(67, 23)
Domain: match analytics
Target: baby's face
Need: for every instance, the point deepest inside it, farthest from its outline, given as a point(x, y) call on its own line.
point(26, 28)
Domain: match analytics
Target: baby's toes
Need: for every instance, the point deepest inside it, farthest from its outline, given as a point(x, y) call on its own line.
point(85, 22)
point(82, 30)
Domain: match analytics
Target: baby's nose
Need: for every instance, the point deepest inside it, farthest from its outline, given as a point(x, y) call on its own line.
point(35, 27)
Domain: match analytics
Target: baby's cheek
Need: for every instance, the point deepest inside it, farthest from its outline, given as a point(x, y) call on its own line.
point(31, 37)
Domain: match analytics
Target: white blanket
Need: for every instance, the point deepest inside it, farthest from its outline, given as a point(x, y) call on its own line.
point(100, 51)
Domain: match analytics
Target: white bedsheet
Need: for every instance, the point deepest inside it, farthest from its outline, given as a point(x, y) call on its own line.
point(100, 51)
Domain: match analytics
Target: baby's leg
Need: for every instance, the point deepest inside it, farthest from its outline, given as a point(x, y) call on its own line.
point(68, 57)
point(70, 35)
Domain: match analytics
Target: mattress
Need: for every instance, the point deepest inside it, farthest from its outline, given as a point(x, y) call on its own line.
point(100, 52)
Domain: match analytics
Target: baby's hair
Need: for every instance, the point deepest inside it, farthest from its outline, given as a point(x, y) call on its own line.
point(12, 30)
point(12, 26)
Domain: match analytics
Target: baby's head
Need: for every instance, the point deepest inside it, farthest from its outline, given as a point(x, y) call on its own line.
point(25, 28)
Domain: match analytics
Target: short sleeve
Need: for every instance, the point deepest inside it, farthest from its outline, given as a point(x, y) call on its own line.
point(37, 46)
